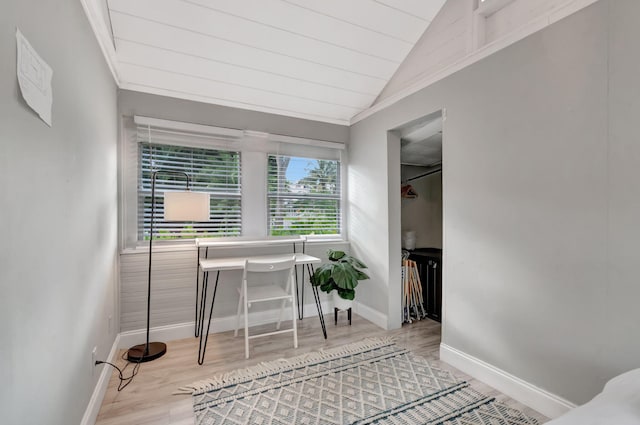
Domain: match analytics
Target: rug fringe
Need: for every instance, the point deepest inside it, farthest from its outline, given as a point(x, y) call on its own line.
point(266, 368)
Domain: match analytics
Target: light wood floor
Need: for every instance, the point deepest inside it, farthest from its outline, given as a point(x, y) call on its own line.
point(149, 400)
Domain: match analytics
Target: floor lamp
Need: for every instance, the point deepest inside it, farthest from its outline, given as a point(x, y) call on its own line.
point(178, 206)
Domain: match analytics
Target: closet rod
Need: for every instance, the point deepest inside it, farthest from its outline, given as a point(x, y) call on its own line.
point(428, 173)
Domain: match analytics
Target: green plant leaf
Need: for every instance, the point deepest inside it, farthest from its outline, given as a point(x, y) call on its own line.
point(362, 275)
point(347, 294)
point(341, 274)
point(335, 255)
point(322, 274)
point(327, 287)
point(345, 276)
point(357, 263)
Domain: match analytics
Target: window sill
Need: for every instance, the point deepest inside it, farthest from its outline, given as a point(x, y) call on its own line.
point(191, 246)
point(159, 248)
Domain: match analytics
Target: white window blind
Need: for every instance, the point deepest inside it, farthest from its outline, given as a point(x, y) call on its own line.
point(304, 196)
point(212, 170)
point(253, 195)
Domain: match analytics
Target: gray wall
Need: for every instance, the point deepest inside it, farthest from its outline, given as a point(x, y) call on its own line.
point(134, 103)
point(620, 344)
point(58, 212)
point(174, 301)
point(174, 293)
point(541, 202)
point(423, 214)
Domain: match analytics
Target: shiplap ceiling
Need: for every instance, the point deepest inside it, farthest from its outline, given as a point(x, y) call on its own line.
point(324, 60)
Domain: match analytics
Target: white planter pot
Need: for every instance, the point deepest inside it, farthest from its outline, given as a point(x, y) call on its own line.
point(340, 303)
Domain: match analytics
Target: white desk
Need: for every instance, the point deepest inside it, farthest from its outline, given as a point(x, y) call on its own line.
point(217, 265)
point(203, 244)
point(237, 263)
point(242, 243)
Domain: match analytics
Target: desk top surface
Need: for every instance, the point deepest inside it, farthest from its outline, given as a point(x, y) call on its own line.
point(237, 263)
point(217, 243)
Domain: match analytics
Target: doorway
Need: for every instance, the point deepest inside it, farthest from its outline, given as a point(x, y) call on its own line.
point(421, 217)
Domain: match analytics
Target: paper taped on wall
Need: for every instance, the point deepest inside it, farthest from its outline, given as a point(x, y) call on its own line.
point(34, 78)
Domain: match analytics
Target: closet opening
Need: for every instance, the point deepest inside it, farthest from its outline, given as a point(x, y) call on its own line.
point(421, 218)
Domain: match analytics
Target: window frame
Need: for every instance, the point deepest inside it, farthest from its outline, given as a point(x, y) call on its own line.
point(254, 148)
point(340, 197)
point(144, 188)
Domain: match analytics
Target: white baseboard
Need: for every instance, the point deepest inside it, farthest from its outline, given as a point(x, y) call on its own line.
point(374, 316)
point(159, 333)
point(528, 394)
point(93, 408)
point(218, 324)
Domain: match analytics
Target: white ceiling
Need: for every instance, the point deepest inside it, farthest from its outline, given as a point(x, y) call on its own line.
point(421, 142)
point(324, 60)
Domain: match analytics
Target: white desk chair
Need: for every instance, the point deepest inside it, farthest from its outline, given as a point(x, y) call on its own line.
point(269, 291)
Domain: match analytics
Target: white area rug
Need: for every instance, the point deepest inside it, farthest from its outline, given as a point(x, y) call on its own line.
point(372, 381)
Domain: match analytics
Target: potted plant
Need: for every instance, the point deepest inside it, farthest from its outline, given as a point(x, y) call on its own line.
point(341, 274)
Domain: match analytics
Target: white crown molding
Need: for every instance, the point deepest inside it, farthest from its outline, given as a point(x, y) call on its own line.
point(103, 35)
point(526, 393)
point(487, 7)
point(423, 81)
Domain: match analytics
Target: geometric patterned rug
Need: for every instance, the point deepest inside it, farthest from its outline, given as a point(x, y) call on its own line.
point(373, 381)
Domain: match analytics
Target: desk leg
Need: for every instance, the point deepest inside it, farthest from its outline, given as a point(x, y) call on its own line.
point(202, 348)
point(301, 305)
point(304, 250)
point(299, 296)
point(197, 325)
point(316, 296)
point(298, 299)
point(203, 298)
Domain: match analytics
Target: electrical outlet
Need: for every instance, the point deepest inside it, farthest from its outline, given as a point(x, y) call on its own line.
point(94, 354)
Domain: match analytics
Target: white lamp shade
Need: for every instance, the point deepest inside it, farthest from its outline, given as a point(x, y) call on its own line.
point(186, 206)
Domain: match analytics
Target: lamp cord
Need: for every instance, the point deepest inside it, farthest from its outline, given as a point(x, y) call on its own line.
point(123, 381)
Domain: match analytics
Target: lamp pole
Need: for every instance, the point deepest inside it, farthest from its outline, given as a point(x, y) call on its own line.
point(151, 351)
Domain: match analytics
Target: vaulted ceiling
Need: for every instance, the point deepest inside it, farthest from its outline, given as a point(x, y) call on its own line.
point(324, 60)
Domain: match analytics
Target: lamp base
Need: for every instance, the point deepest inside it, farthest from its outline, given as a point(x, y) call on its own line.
point(136, 354)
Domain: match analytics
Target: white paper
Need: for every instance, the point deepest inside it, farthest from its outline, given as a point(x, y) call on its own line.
point(34, 78)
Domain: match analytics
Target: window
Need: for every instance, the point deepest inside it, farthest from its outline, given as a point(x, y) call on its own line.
point(303, 196)
point(261, 185)
point(210, 170)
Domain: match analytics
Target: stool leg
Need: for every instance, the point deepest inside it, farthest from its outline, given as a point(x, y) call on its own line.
point(240, 299)
point(335, 315)
point(349, 315)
